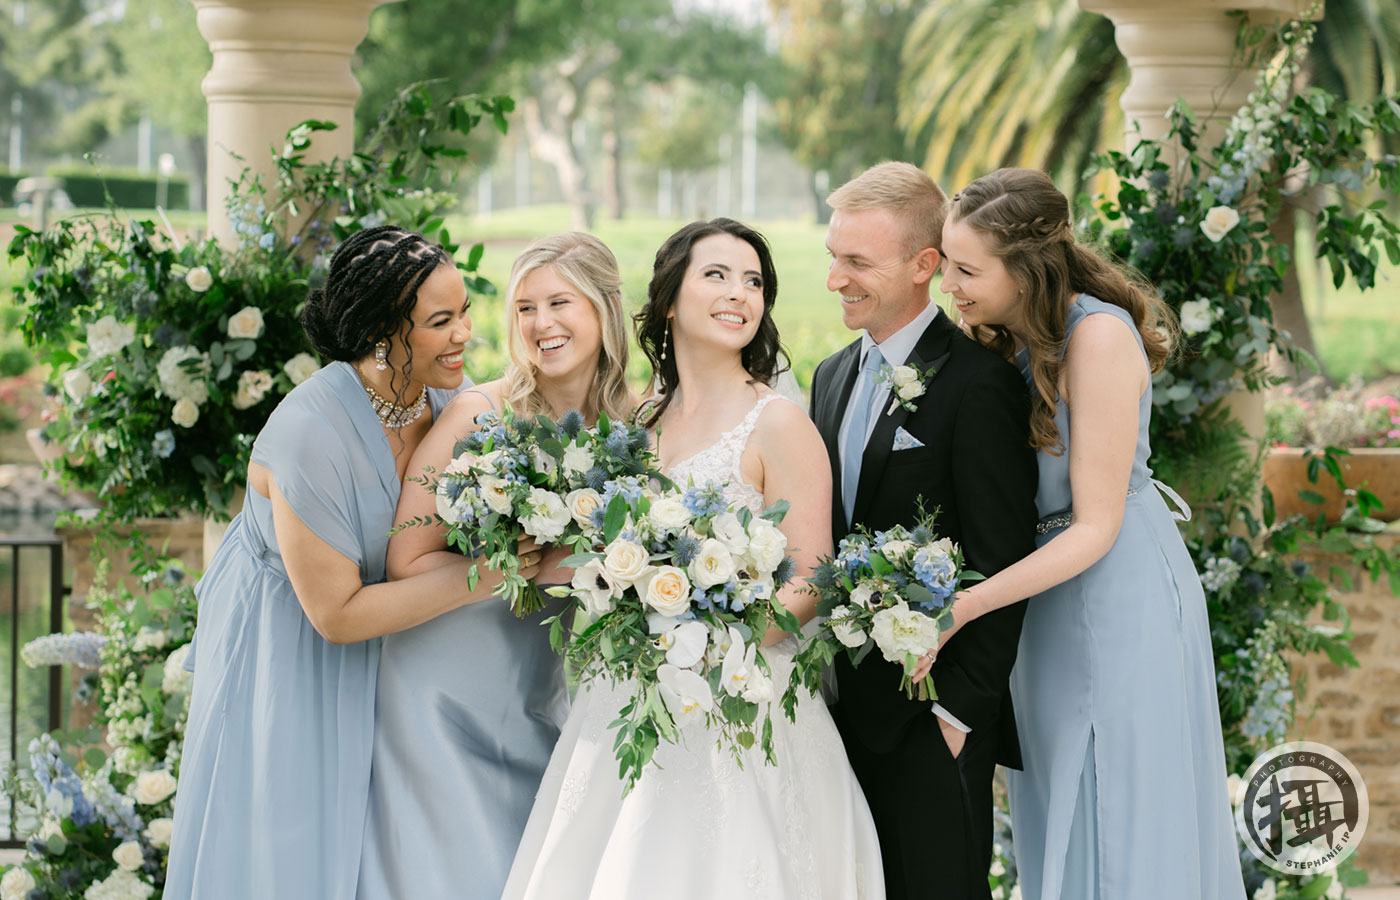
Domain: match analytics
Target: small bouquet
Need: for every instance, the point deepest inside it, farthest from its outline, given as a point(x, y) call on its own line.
point(544, 478)
point(678, 593)
point(889, 590)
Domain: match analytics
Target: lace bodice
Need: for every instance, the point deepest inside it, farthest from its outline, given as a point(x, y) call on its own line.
point(719, 462)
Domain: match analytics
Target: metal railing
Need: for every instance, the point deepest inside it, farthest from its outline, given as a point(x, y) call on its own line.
point(57, 592)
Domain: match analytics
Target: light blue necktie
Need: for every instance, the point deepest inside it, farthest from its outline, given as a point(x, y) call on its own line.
point(856, 434)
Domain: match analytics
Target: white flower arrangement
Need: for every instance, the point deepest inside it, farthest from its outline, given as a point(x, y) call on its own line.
point(907, 384)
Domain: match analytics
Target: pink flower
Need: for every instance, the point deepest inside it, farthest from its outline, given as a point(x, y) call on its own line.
point(1393, 434)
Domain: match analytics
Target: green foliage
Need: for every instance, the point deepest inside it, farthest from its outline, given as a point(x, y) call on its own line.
point(148, 337)
point(90, 186)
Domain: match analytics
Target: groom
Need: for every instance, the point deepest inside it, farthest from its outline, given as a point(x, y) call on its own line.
point(926, 768)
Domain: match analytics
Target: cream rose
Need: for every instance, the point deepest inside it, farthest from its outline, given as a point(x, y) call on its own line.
point(129, 856)
point(625, 561)
point(713, 564)
point(198, 279)
point(846, 632)
point(151, 788)
point(581, 504)
point(76, 384)
point(158, 832)
point(669, 513)
point(252, 387)
point(600, 590)
point(1218, 222)
point(301, 367)
point(767, 545)
point(577, 460)
point(665, 589)
point(549, 518)
point(185, 413)
point(246, 323)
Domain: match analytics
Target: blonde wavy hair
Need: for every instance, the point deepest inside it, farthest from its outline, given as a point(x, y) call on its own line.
point(590, 267)
point(1027, 221)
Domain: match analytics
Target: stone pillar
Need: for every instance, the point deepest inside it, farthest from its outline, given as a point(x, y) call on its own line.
point(1185, 49)
point(276, 64)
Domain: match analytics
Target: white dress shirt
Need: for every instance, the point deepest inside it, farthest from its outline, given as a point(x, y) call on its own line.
point(896, 350)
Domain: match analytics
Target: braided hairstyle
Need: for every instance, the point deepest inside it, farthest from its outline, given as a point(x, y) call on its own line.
point(764, 358)
point(371, 289)
point(1027, 220)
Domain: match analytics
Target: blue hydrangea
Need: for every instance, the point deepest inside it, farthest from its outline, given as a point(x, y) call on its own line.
point(79, 648)
point(267, 240)
point(936, 571)
point(163, 444)
point(617, 442)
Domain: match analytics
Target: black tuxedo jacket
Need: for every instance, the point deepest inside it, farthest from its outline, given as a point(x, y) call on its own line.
point(977, 467)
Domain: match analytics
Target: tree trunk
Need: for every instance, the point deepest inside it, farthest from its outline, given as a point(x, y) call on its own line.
point(613, 185)
point(551, 138)
point(1289, 314)
point(199, 154)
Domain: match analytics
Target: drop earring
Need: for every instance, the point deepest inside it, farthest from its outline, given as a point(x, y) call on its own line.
point(665, 339)
point(381, 355)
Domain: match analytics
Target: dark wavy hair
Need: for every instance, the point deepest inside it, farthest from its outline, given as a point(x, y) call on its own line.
point(371, 288)
point(764, 358)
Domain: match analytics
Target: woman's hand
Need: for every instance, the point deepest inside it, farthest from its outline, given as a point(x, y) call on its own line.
point(530, 554)
point(550, 570)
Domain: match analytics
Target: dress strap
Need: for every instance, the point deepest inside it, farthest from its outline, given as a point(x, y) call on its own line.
point(484, 394)
point(739, 437)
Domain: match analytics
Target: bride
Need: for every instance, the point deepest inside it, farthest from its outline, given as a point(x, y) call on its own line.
point(699, 824)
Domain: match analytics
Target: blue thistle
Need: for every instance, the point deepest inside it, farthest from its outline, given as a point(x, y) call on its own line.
point(784, 572)
point(522, 428)
point(596, 517)
point(618, 443)
point(572, 424)
point(596, 478)
point(824, 577)
point(638, 439)
point(685, 549)
point(921, 535)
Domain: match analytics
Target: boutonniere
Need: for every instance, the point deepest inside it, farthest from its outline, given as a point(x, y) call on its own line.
point(906, 384)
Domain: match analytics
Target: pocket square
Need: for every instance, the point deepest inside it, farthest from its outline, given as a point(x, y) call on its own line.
point(903, 440)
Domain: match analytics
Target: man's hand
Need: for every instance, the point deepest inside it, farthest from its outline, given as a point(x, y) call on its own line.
point(952, 737)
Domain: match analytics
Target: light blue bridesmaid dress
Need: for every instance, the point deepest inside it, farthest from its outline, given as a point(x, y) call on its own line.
point(274, 778)
point(469, 708)
point(1123, 793)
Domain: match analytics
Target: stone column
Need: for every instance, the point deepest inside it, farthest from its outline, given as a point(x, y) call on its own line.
point(1186, 49)
point(276, 64)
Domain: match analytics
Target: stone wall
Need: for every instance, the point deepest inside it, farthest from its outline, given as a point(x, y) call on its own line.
point(1357, 711)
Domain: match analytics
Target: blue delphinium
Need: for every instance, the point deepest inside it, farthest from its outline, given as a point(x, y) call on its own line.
point(853, 554)
point(705, 500)
point(163, 444)
point(62, 786)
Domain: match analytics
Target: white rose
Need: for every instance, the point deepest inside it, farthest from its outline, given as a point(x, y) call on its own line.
point(178, 380)
point(713, 564)
point(896, 551)
point(686, 694)
point(252, 387)
point(847, 633)
point(911, 390)
point(152, 787)
point(1197, 316)
point(669, 513)
point(16, 884)
point(549, 518)
point(300, 367)
point(128, 855)
point(577, 460)
point(767, 545)
point(600, 591)
point(685, 644)
point(246, 323)
point(158, 832)
point(899, 631)
point(1218, 222)
point(665, 589)
point(625, 561)
point(149, 638)
point(728, 530)
point(903, 376)
point(120, 885)
point(581, 504)
point(1267, 891)
point(76, 384)
point(496, 493)
point(198, 279)
point(185, 413)
point(107, 336)
point(759, 688)
point(176, 679)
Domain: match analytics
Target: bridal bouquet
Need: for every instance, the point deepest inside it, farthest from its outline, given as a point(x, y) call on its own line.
point(890, 590)
point(678, 593)
point(549, 480)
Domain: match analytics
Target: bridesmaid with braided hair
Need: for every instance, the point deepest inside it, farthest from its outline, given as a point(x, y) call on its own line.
point(1123, 788)
point(274, 778)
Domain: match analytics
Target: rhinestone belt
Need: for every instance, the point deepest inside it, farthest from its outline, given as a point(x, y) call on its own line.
point(1059, 520)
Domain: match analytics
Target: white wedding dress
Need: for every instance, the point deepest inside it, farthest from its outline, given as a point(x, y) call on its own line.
point(697, 825)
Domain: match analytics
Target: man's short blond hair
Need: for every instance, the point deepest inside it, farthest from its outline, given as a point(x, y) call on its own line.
point(906, 191)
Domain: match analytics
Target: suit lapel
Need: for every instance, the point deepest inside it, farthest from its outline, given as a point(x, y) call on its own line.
point(932, 351)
